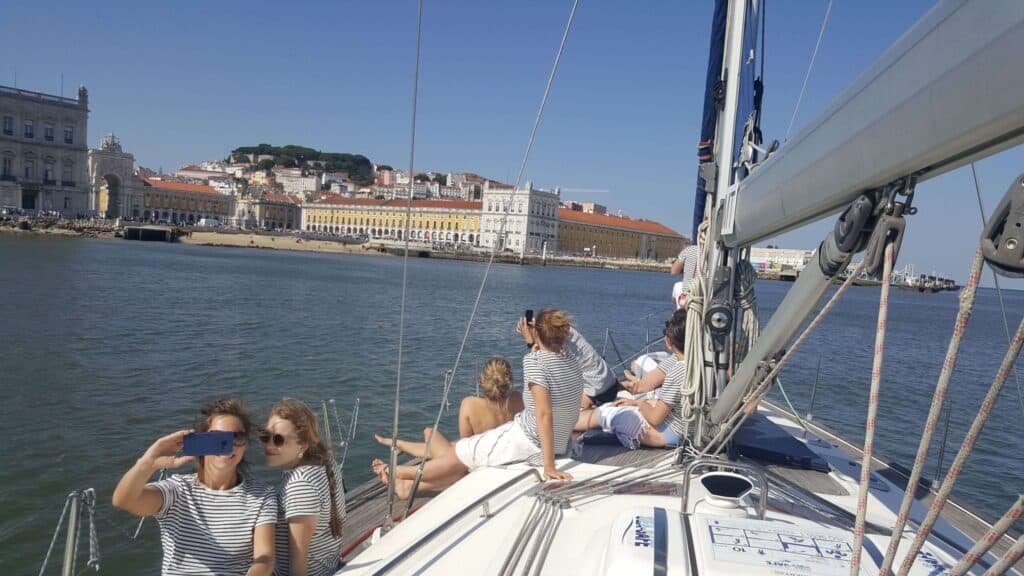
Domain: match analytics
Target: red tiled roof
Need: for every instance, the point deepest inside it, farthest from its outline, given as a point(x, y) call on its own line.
point(454, 204)
point(180, 186)
point(621, 222)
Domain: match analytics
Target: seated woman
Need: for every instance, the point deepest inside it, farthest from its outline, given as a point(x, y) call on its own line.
point(233, 513)
point(476, 415)
point(656, 422)
point(309, 502)
point(551, 400)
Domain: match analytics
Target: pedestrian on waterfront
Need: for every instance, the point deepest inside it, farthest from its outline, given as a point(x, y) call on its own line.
point(310, 502)
point(686, 263)
point(218, 520)
point(658, 422)
point(551, 398)
point(601, 385)
point(498, 405)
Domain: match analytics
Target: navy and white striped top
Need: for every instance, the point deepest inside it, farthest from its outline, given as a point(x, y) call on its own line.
point(689, 256)
point(206, 531)
point(668, 363)
point(305, 491)
point(671, 393)
point(562, 376)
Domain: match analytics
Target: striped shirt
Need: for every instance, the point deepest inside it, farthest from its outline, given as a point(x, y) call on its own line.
point(596, 376)
point(305, 491)
point(206, 531)
point(689, 256)
point(671, 393)
point(561, 375)
point(668, 363)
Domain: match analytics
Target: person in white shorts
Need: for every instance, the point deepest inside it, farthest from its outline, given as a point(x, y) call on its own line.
point(656, 422)
point(551, 398)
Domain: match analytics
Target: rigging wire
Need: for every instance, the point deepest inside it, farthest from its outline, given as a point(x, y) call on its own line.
point(405, 272)
point(817, 45)
point(450, 376)
point(999, 290)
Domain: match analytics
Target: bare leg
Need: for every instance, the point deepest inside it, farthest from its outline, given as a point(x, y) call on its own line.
point(587, 421)
point(653, 438)
point(438, 447)
point(438, 473)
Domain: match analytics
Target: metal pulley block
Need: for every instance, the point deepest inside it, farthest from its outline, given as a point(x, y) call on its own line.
point(1002, 240)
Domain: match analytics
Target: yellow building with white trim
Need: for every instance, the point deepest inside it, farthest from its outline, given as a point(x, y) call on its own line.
point(445, 221)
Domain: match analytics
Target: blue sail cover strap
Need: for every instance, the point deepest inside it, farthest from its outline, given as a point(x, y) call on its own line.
point(712, 97)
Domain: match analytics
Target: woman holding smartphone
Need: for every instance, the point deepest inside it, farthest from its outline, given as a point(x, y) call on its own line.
point(310, 503)
point(216, 520)
point(551, 398)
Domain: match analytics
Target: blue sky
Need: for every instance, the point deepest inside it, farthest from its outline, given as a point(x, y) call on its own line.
point(181, 82)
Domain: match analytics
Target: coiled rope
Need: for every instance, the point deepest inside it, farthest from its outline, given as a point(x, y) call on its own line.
point(869, 427)
point(747, 301)
point(963, 316)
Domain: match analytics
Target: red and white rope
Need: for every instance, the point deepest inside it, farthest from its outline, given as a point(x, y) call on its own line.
point(965, 449)
point(981, 547)
point(963, 316)
point(1012, 556)
point(869, 428)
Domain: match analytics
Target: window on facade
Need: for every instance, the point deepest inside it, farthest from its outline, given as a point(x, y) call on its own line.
point(48, 133)
point(69, 134)
point(30, 168)
point(7, 167)
point(29, 129)
point(48, 172)
point(8, 125)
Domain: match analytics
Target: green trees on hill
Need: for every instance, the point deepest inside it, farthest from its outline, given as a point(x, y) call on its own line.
point(358, 167)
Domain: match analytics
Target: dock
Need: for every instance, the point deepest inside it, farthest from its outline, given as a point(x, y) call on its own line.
point(150, 233)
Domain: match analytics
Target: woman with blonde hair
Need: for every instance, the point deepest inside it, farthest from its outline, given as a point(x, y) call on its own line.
point(217, 520)
point(499, 404)
point(551, 399)
point(310, 504)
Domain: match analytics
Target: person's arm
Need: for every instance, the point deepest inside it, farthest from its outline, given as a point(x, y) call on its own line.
point(262, 551)
point(654, 412)
point(546, 431)
point(132, 494)
point(651, 380)
point(300, 534)
point(677, 267)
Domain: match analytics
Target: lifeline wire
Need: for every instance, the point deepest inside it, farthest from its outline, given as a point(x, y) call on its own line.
point(405, 270)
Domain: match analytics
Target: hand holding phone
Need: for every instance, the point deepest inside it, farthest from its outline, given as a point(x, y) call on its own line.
point(208, 443)
point(528, 315)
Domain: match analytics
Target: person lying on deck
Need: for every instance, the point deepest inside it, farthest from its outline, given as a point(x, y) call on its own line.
point(499, 404)
point(656, 422)
point(543, 429)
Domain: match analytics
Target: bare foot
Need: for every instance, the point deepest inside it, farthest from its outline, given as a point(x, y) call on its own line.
point(386, 442)
point(403, 488)
point(381, 470)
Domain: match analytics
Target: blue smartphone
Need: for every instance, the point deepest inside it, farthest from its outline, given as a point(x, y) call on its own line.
point(208, 443)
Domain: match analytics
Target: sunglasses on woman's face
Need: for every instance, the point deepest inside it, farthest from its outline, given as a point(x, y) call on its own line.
point(266, 437)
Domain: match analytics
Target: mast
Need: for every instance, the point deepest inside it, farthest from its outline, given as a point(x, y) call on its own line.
point(719, 177)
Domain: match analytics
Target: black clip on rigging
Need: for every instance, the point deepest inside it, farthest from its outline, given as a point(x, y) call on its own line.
point(891, 224)
point(1002, 240)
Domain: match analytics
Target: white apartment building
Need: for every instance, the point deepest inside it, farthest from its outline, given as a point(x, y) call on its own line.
point(294, 183)
point(43, 151)
point(520, 220)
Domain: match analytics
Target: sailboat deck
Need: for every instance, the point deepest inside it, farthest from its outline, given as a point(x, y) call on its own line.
point(367, 503)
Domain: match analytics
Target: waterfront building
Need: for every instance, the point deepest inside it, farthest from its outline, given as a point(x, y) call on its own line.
point(779, 258)
point(446, 221)
point(294, 183)
point(116, 188)
point(520, 220)
point(183, 203)
point(595, 234)
point(43, 151)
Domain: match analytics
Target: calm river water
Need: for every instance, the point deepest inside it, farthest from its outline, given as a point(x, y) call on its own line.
point(106, 345)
